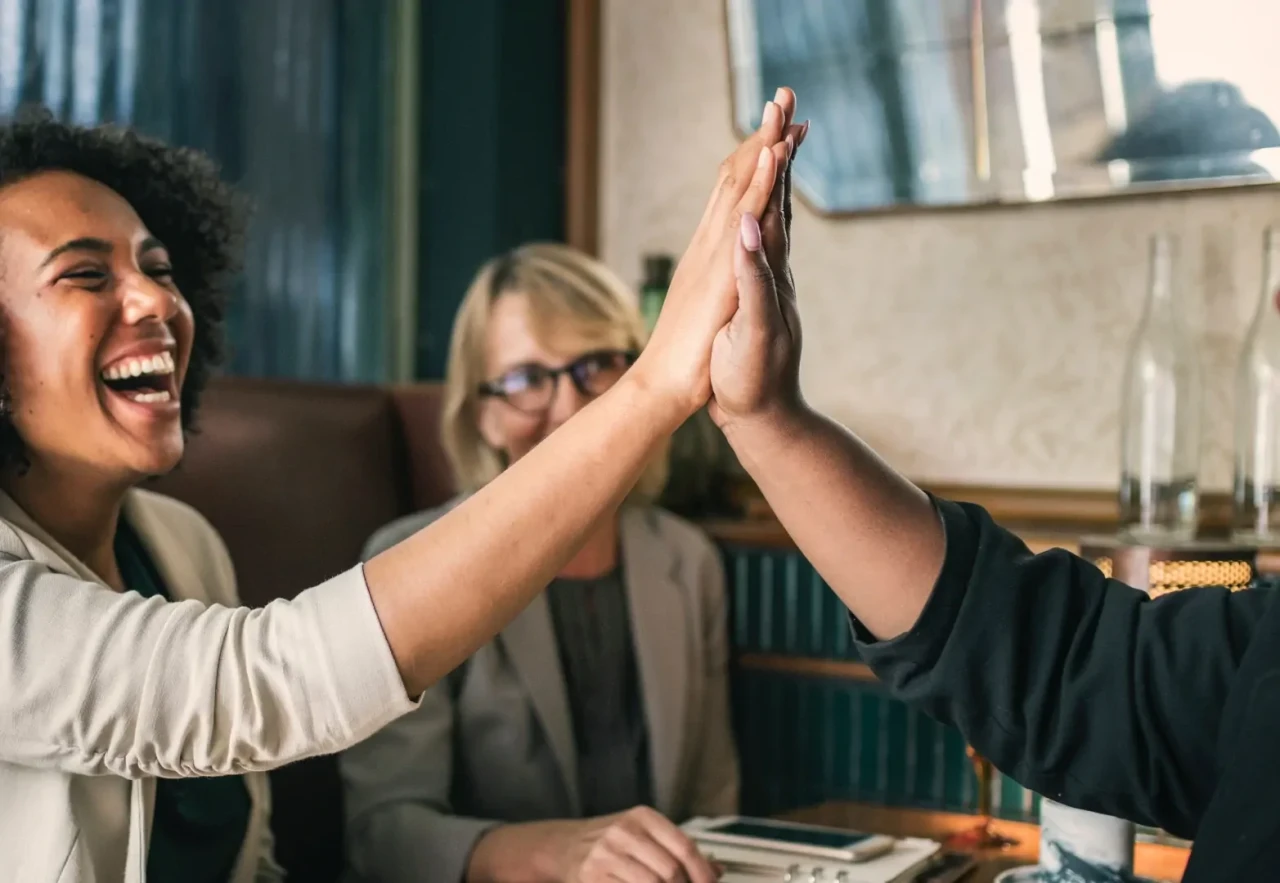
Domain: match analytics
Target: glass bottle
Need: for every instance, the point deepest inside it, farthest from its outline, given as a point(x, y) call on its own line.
point(1160, 415)
point(657, 279)
point(1256, 510)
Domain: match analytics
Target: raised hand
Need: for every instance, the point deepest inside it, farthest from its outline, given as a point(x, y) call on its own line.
point(755, 358)
point(703, 294)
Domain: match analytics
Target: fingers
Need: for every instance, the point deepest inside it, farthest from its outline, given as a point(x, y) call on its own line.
point(756, 198)
point(640, 857)
point(772, 224)
point(678, 847)
point(786, 101)
point(736, 170)
point(757, 291)
point(801, 132)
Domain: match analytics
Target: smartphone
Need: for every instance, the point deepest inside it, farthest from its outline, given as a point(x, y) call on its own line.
point(830, 843)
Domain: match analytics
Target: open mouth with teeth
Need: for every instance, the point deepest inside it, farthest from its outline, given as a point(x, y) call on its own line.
point(147, 380)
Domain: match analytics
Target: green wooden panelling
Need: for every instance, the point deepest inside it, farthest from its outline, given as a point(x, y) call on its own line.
point(803, 739)
point(493, 145)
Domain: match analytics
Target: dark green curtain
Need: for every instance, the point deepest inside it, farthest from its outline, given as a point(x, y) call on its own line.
point(292, 98)
point(493, 145)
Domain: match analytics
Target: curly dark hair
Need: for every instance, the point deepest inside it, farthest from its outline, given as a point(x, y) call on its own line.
point(178, 195)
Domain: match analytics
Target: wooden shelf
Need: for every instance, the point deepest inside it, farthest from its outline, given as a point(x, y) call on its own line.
point(769, 534)
point(1044, 517)
point(806, 665)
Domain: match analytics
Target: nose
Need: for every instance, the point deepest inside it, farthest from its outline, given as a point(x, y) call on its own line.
point(144, 298)
point(566, 401)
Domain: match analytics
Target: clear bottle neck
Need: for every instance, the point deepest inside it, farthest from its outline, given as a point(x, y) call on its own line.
point(1161, 304)
point(1269, 299)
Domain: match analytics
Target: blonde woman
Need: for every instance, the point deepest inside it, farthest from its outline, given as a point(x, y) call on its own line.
point(564, 748)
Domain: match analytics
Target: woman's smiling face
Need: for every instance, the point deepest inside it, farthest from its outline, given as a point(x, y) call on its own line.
point(97, 337)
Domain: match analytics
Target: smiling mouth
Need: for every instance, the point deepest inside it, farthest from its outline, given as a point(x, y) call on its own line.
point(147, 380)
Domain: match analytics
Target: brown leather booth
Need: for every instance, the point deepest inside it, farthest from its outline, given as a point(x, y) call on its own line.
point(296, 476)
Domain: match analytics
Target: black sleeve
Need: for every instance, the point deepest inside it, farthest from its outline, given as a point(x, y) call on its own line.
point(1079, 687)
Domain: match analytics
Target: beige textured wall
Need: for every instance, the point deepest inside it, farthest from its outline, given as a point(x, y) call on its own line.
point(980, 346)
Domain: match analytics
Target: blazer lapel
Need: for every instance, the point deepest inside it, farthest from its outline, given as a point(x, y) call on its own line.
point(171, 557)
point(49, 552)
point(43, 547)
point(659, 622)
point(531, 646)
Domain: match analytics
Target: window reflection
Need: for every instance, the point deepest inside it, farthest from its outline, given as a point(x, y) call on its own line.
point(947, 102)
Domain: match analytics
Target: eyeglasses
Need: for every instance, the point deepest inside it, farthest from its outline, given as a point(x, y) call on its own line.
point(531, 388)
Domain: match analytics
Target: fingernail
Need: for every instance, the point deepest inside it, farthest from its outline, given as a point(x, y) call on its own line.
point(780, 94)
point(791, 146)
point(771, 110)
point(763, 159)
point(750, 232)
point(804, 131)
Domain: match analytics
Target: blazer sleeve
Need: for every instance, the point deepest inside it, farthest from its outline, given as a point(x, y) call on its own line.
point(1079, 687)
point(96, 682)
point(225, 591)
point(267, 871)
point(400, 824)
point(716, 775)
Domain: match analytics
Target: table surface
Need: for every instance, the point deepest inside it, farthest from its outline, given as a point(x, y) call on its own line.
point(1159, 862)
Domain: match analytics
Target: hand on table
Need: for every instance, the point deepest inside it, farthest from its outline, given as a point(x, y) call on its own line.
point(637, 846)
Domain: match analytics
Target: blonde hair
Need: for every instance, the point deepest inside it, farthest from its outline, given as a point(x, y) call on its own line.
point(564, 288)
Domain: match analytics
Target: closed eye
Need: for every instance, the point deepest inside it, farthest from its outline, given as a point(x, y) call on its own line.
point(92, 279)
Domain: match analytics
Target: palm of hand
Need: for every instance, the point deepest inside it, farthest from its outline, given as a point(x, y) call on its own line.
point(754, 367)
point(702, 297)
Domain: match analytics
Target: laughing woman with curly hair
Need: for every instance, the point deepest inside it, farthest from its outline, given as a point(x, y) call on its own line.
point(139, 703)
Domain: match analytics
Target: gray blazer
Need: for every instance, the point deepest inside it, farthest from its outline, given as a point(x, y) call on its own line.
point(496, 744)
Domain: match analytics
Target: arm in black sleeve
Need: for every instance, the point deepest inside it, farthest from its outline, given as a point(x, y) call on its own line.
point(1079, 687)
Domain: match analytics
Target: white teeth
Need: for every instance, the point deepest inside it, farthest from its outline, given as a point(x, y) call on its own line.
point(147, 398)
point(152, 365)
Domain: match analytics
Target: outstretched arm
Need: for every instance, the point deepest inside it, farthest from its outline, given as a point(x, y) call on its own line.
point(93, 681)
point(872, 534)
point(1079, 687)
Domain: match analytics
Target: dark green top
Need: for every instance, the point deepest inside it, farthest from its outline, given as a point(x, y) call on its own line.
point(199, 824)
point(1161, 710)
point(592, 623)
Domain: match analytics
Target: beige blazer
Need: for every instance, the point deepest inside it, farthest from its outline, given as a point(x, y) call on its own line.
point(423, 790)
point(101, 692)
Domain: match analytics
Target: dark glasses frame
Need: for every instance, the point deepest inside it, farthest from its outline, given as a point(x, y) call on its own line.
point(574, 371)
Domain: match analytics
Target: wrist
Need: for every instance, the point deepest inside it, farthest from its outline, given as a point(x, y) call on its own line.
point(546, 856)
point(661, 405)
point(762, 435)
point(528, 852)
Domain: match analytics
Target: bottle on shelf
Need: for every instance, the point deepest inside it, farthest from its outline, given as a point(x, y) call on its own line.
point(702, 466)
point(657, 279)
point(1256, 498)
point(1160, 415)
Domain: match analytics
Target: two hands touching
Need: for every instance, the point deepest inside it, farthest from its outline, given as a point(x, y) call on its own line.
point(728, 338)
point(729, 333)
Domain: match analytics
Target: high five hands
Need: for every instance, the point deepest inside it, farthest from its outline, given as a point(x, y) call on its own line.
point(755, 357)
point(728, 320)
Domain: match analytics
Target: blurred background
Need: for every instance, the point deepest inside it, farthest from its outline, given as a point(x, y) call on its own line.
point(973, 246)
point(960, 313)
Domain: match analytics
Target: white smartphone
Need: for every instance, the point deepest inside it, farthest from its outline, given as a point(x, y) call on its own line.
point(812, 840)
